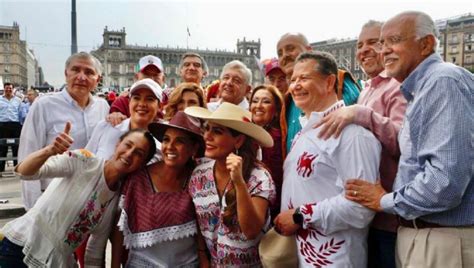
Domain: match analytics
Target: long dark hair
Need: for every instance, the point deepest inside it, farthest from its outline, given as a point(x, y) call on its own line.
point(248, 152)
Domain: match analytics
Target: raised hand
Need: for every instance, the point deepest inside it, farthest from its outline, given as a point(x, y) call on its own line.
point(234, 165)
point(63, 141)
point(115, 118)
point(335, 122)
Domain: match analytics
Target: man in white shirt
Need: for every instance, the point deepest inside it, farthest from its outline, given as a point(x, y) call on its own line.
point(48, 116)
point(236, 80)
point(329, 229)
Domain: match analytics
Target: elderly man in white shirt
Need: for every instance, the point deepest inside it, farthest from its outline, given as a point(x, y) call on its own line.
point(49, 114)
point(236, 80)
point(329, 229)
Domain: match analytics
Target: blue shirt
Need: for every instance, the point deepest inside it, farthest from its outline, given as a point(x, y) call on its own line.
point(24, 108)
point(10, 109)
point(436, 169)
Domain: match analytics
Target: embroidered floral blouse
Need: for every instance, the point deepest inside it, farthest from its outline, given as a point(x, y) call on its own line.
point(228, 248)
point(77, 204)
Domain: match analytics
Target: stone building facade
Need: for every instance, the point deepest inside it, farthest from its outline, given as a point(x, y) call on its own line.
point(13, 56)
point(344, 50)
point(457, 40)
point(119, 60)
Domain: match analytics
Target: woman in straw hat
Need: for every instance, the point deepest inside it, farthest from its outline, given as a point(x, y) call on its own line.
point(158, 220)
point(232, 191)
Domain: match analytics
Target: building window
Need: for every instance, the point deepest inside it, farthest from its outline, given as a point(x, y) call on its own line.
point(454, 38)
point(454, 49)
point(167, 70)
point(7, 68)
point(7, 58)
point(468, 59)
point(453, 59)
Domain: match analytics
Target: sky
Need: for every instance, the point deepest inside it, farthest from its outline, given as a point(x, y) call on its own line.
point(45, 24)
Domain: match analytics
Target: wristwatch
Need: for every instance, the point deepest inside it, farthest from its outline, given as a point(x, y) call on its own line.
point(298, 217)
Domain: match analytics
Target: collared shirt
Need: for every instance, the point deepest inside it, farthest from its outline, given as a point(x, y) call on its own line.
point(381, 108)
point(24, 108)
point(436, 171)
point(10, 109)
point(46, 119)
point(212, 106)
point(315, 171)
point(105, 137)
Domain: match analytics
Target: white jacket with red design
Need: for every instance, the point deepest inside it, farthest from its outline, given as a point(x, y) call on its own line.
point(335, 229)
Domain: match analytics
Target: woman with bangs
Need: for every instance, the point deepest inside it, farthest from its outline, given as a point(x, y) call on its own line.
point(183, 96)
point(232, 191)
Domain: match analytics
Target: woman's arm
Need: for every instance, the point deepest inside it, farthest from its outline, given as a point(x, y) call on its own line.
point(251, 211)
point(116, 238)
point(33, 162)
point(202, 250)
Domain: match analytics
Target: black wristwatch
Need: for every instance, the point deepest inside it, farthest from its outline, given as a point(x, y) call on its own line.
point(298, 217)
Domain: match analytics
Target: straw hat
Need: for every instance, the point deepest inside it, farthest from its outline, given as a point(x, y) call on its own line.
point(234, 117)
point(278, 251)
point(182, 122)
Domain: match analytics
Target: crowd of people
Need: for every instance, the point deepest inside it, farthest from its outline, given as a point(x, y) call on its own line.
point(341, 173)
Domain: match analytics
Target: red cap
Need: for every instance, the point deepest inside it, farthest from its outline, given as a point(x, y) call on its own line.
point(271, 65)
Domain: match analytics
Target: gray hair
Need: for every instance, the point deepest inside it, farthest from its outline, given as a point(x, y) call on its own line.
point(300, 36)
point(84, 55)
point(240, 67)
point(372, 23)
point(326, 63)
point(424, 25)
point(205, 68)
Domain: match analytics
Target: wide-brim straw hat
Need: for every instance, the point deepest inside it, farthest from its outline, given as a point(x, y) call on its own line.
point(182, 122)
point(234, 117)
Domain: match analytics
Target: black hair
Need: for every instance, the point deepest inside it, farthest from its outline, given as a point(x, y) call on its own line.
point(148, 136)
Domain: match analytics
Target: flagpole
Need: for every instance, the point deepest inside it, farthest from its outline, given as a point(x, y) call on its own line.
point(187, 37)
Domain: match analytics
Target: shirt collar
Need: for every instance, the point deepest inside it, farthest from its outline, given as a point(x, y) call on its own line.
point(72, 101)
point(316, 116)
point(410, 84)
point(373, 82)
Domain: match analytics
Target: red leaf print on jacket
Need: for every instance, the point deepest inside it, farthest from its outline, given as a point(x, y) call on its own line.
point(305, 163)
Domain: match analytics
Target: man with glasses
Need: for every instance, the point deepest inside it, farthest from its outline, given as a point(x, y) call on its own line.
point(236, 80)
point(434, 188)
point(380, 108)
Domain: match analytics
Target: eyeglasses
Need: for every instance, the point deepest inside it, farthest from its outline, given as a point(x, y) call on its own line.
point(390, 41)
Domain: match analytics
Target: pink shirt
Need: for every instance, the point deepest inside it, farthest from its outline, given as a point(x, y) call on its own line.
point(381, 108)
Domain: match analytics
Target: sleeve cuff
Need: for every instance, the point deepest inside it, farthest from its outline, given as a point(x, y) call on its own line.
point(362, 116)
point(387, 203)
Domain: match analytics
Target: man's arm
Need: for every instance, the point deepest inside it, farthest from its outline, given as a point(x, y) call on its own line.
point(32, 138)
point(385, 126)
point(445, 151)
point(357, 156)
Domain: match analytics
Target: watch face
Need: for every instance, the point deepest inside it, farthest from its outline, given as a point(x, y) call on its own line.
point(298, 217)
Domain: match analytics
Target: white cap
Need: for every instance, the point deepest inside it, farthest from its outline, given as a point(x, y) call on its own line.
point(150, 60)
point(149, 84)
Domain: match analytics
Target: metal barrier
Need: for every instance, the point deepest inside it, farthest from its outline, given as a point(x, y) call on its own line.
point(9, 157)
